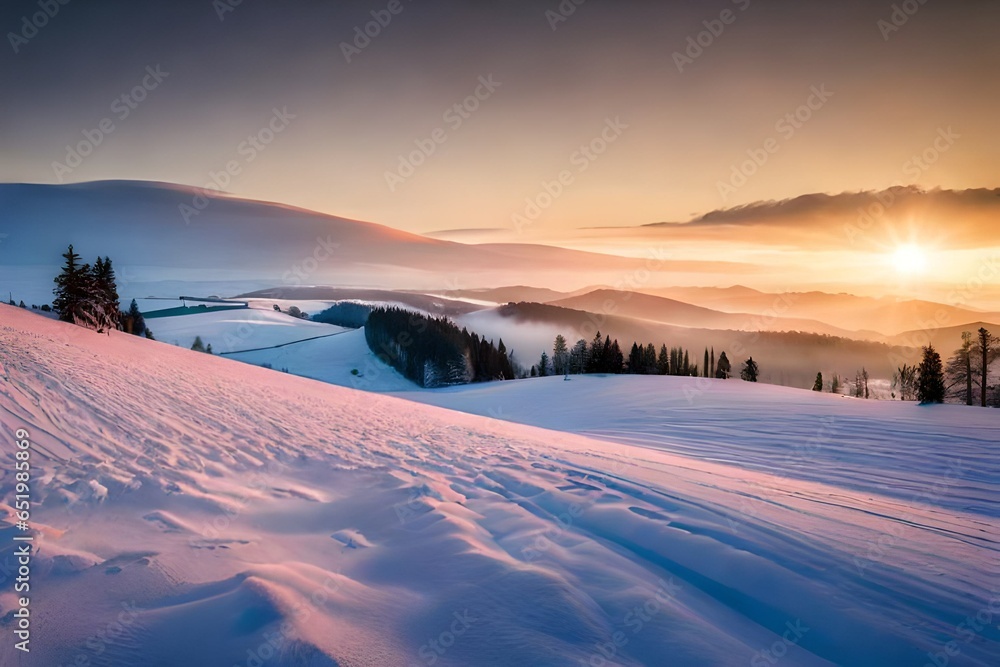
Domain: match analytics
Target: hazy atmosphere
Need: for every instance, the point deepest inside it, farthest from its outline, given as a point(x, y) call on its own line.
point(562, 333)
point(614, 115)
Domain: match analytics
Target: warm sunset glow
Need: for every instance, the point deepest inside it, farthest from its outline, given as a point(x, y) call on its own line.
point(910, 260)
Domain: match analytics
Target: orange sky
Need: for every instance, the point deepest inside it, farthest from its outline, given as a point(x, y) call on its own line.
point(497, 118)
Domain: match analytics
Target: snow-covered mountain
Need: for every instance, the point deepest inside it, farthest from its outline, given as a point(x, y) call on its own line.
point(189, 509)
point(161, 232)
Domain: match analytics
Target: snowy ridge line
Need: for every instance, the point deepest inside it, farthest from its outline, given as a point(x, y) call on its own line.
point(274, 347)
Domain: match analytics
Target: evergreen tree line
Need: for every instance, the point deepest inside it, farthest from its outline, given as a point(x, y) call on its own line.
point(87, 295)
point(964, 379)
point(433, 352)
point(345, 314)
point(604, 355)
point(45, 307)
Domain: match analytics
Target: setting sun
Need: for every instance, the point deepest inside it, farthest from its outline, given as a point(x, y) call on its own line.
point(910, 259)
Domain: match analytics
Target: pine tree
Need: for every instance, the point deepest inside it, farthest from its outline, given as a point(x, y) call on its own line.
point(606, 361)
point(649, 360)
point(987, 353)
point(616, 359)
point(705, 366)
point(198, 345)
point(543, 365)
point(578, 357)
point(635, 360)
point(715, 369)
point(134, 321)
point(835, 384)
point(596, 354)
point(818, 385)
point(149, 334)
point(663, 361)
point(724, 370)
point(750, 371)
point(70, 287)
point(104, 306)
point(930, 386)
point(560, 356)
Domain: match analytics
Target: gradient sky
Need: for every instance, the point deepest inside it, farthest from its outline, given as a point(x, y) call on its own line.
point(558, 88)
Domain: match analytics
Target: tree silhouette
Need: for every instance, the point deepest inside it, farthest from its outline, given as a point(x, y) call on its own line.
point(70, 289)
point(724, 369)
point(988, 356)
point(930, 386)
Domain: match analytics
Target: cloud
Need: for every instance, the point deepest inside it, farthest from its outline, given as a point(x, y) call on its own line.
point(948, 219)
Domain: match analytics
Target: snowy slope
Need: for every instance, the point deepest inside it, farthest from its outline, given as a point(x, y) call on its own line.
point(332, 359)
point(237, 330)
point(247, 517)
point(886, 447)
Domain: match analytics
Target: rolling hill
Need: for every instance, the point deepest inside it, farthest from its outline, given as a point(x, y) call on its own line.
point(150, 231)
point(670, 311)
point(888, 316)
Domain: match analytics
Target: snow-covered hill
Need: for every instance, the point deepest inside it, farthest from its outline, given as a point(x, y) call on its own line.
point(236, 330)
point(161, 233)
point(192, 510)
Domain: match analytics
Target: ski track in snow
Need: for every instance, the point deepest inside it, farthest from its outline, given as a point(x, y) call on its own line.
point(228, 506)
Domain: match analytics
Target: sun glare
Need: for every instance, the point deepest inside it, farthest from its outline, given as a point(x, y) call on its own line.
point(910, 260)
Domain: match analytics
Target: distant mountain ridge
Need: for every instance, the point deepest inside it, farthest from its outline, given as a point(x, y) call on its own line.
point(151, 224)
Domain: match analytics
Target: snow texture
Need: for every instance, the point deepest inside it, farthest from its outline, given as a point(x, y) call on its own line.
point(193, 510)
